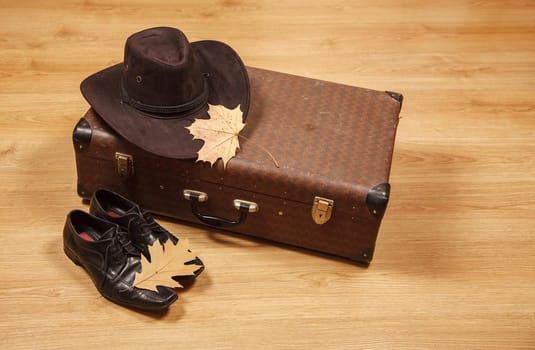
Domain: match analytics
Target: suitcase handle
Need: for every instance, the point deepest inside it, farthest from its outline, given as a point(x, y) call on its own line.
point(245, 207)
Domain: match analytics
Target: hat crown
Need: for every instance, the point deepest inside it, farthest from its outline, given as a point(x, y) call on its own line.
point(163, 83)
point(161, 73)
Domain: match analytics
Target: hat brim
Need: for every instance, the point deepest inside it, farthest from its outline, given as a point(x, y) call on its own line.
point(228, 85)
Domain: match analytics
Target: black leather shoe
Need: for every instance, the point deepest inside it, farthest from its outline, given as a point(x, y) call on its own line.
point(111, 260)
point(143, 230)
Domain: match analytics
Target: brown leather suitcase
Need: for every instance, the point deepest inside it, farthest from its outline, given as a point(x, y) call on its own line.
point(333, 144)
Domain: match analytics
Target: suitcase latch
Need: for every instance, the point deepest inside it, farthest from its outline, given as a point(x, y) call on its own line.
point(124, 165)
point(322, 210)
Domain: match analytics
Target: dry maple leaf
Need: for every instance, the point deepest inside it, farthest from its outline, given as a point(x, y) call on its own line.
point(167, 260)
point(219, 133)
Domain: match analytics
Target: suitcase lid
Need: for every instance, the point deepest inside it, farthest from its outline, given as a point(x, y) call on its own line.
point(330, 140)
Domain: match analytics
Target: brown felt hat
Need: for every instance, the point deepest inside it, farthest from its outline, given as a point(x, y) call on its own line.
point(163, 85)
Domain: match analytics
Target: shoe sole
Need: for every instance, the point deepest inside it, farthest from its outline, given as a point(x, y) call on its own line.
point(72, 256)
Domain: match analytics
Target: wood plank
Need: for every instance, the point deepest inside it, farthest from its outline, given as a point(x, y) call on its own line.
point(454, 265)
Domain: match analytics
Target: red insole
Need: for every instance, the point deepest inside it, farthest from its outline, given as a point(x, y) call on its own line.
point(86, 236)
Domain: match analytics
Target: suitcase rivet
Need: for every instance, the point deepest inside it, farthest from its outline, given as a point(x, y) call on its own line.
point(161, 187)
point(281, 213)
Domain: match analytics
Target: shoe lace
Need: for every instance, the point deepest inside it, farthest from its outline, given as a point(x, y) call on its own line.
point(149, 220)
point(119, 248)
point(140, 228)
point(144, 225)
point(155, 227)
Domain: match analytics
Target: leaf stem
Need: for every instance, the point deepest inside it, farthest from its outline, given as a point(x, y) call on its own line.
point(263, 149)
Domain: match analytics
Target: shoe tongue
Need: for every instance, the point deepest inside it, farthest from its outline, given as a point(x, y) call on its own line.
point(108, 234)
point(126, 216)
point(123, 240)
point(133, 211)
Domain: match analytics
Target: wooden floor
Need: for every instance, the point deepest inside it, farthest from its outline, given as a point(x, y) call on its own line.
point(455, 259)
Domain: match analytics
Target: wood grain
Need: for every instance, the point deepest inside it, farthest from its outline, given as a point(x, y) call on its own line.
point(455, 259)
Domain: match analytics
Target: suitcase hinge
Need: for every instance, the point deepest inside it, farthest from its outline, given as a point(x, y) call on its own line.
point(124, 165)
point(322, 210)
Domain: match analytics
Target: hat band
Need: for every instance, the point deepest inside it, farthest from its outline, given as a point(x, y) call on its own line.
point(192, 104)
